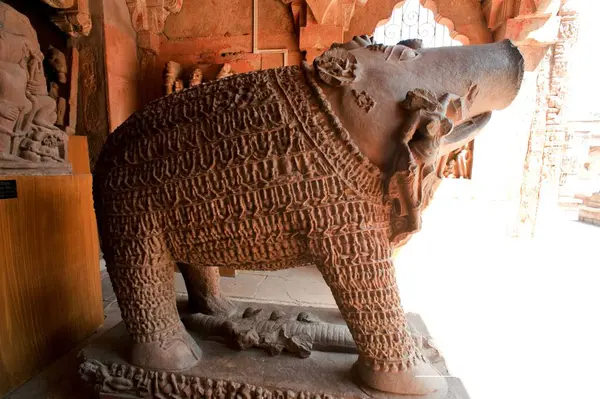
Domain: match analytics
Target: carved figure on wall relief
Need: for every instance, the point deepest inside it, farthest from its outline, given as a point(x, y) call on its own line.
point(171, 75)
point(196, 77)
point(459, 162)
point(29, 141)
point(57, 76)
point(287, 167)
point(225, 71)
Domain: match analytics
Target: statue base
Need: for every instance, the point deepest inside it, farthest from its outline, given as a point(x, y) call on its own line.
point(226, 373)
point(28, 168)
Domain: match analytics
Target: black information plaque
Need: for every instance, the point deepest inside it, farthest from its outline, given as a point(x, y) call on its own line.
point(8, 189)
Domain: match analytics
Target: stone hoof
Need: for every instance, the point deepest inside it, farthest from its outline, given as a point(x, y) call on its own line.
point(176, 353)
point(420, 379)
point(213, 306)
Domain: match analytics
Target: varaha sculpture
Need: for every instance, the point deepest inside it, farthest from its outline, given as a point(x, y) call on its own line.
point(29, 141)
point(328, 164)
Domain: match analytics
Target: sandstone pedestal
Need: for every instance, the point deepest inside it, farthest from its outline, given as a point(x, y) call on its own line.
point(226, 373)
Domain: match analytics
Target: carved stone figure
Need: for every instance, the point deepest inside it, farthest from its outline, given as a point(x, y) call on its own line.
point(57, 75)
point(282, 168)
point(225, 71)
point(178, 85)
point(458, 163)
point(172, 72)
point(196, 77)
point(29, 141)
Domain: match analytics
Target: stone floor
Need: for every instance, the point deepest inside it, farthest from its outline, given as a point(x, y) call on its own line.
point(515, 318)
point(302, 286)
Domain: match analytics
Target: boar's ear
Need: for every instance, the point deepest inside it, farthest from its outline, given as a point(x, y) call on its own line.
point(336, 67)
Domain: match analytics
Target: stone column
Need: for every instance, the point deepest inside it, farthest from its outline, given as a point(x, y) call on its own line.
point(92, 107)
point(547, 142)
point(534, 158)
point(556, 129)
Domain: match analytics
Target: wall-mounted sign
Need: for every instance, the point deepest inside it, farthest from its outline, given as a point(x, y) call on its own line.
point(8, 189)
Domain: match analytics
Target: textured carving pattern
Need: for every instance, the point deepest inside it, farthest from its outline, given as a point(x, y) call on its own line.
point(251, 171)
point(138, 382)
point(363, 100)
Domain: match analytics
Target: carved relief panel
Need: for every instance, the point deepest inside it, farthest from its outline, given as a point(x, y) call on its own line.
point(33, 111)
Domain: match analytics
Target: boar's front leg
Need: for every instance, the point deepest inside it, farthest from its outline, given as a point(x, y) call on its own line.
point(204, 291)
point(359, 270)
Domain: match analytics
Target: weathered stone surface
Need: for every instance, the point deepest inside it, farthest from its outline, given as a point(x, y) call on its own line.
point(274, 169)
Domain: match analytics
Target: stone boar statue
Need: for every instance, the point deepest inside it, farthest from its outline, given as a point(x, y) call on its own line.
point(328, 164)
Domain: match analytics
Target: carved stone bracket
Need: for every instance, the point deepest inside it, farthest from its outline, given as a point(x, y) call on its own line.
point(72, 16)
point(321, 23)
point(150, 15)
point(526, 22)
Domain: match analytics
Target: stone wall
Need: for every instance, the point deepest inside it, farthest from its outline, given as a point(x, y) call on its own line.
point(121, 62)
point(209, 34)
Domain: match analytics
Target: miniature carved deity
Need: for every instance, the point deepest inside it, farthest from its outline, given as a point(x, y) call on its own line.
point(196, 77)
point(172, 72)
point(178, 85)
point(57, 76)
point(225, 71)
point(30, 143)
point(328, 164)
point(458, 163)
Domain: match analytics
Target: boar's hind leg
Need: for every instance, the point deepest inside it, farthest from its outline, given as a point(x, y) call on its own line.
point(359, 270)
point(141, 272)
point(204, 291)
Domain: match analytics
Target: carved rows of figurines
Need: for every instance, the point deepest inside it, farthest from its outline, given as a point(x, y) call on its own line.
point(324, 228)
point(136, 381)
point(174, 76)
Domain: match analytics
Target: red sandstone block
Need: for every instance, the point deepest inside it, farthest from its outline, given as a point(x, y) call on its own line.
point(121, 52)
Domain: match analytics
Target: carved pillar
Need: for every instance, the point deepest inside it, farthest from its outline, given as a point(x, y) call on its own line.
point(556, 129)
point(547, 141)
point(534, 158)
point(92, 115)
